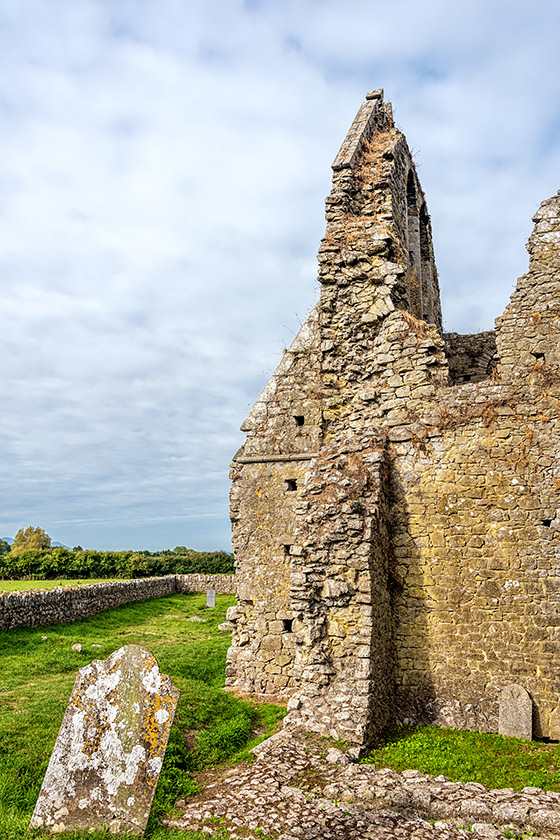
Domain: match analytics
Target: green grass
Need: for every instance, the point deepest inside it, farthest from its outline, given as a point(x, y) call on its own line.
point(462, 756)
point(18, 585)
point(210, 725)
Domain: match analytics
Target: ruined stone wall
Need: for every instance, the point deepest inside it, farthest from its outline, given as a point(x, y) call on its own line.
point(61, 605)
point(222, 584)
point(343, 662)
point(476, 492)
point(420, 572)
point(298, 787)
point(340, 590)
point(331, 578)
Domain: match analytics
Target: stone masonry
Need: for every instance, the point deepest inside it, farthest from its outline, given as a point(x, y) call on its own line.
point(396, 505)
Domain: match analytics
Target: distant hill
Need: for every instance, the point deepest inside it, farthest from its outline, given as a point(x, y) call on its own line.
point(9, 540)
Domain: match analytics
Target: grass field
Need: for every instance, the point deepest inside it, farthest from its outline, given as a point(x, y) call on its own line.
point(37, 679)
point(19, 585)
point(37, 676)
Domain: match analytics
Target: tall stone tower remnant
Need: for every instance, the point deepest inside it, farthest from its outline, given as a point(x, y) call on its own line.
point(396, 504)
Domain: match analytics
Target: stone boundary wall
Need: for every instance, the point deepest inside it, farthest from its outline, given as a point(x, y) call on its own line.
point(413, 794)
point(223, 584)
point(40, 607)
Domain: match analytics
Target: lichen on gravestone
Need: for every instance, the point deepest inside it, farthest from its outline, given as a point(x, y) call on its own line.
point(108, 755)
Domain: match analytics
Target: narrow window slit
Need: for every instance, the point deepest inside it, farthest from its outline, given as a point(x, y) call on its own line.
point(287, 622)
point(299, 419)
point(291, 484)
point(287, 549)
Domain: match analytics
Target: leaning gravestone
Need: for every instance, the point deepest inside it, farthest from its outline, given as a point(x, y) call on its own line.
point(106, 761)
point(211, 598)
point(515, 713)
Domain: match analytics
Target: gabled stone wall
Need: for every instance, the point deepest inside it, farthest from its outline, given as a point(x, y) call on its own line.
point(398, 558)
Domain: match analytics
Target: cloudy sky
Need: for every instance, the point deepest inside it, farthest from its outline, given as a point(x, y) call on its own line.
point(163, 168)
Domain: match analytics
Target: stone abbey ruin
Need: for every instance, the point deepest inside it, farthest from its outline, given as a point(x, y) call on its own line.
point(396, 505)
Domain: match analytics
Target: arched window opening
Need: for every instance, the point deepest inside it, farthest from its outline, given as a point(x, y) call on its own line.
point(410, 190)
point(426, 267)
point(414, 256)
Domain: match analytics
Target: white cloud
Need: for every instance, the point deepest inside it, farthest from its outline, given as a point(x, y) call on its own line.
point(162, 175)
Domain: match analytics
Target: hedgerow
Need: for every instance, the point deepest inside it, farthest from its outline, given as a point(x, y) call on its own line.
point(51, 563)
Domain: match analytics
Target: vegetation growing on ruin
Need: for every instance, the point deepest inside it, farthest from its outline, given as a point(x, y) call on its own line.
point(51, 563)
point(38, 673)
point(463, 756)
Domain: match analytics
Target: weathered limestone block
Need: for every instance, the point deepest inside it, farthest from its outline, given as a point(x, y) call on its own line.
point(108, 755)
point(516, 713)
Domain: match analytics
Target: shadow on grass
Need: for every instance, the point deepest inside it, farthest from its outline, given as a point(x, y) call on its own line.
point(463, 756)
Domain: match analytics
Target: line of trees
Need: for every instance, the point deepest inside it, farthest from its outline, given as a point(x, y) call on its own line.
point(32, 556)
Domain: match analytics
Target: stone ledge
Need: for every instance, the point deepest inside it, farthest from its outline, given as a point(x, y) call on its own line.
point(271, 459)
point(360, 130)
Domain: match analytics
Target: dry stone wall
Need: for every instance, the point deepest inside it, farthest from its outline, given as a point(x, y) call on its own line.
point(61, 605)
point(410, 569)
point(222, 584)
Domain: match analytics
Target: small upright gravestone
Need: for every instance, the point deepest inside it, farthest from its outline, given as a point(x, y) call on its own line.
point(106, 761)
point(515, 713)
point(211, 598)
